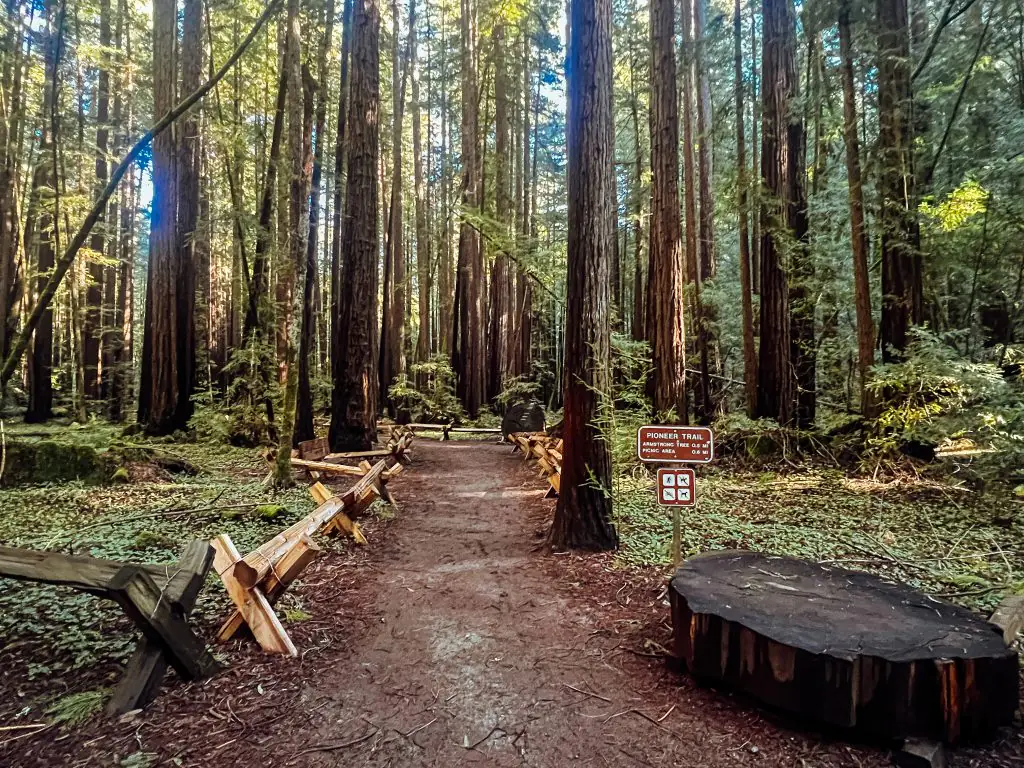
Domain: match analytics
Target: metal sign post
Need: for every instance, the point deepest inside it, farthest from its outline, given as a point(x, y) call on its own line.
point(677, 486)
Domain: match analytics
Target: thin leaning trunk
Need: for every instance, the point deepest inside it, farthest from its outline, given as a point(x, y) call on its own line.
point(858, 233)
point(746, 284)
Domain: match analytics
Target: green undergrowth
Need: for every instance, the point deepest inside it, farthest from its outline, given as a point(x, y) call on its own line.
point(947, 542)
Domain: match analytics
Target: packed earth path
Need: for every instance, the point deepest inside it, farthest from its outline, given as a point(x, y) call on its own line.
point(455, 638)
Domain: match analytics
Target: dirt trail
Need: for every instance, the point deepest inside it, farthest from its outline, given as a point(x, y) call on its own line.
point(454, 639)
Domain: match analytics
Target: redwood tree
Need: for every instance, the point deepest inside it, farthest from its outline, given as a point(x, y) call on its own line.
point(468, 320)
point(583, 515)
point(746, 284)
point(783, 202)
point(902, 294)
point(665, 324)
point(354, 398)
point(159, 398)
point(858, 234)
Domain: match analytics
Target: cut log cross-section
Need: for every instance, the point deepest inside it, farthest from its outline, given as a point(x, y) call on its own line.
point(843, 647)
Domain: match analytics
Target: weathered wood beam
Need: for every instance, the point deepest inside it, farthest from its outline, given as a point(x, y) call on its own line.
point(292, 564)
point(145, 671)
point(323, 466)
point(259, 615)
point(145, 604)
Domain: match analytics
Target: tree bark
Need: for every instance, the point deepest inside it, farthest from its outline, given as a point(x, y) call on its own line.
point(666, 328)
point(337, 234)
point(583, 515)
point(639, 328)
point(498, 347)
point(858, 232)
point(467, 354)
point(423, 240)
point(158, 405)
point(93, 325)
point(14, 45)
point(782, 204)
point(746, 285)
point(304, 413)
point(189, 167)
point(902, 292)
point(354, 399)
point(41, 231)
point(703, 405)
point(294, 278)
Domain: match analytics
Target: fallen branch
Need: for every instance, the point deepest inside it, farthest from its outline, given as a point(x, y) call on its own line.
point(342, 745)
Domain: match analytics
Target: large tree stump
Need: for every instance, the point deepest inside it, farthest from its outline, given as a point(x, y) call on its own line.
point(842, 647)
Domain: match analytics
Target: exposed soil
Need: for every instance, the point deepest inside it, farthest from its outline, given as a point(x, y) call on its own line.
point(456, 639)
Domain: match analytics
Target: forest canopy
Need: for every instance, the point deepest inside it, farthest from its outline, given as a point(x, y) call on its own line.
point(348, 209)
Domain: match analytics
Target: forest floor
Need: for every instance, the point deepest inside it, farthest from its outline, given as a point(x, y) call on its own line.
point(454, 638)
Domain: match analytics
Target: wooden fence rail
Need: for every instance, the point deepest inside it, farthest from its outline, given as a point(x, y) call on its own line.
point(257, 580)
point(546, 450)
point(446, 430)
point(157, 598)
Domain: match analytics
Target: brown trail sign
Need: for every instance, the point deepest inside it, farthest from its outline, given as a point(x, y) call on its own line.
point(671, 444)
point(675, 444)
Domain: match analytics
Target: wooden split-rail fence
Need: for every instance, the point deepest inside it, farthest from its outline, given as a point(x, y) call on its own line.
point(546, 450)
point(159, 599)
point(446, 430)
point(256, 581)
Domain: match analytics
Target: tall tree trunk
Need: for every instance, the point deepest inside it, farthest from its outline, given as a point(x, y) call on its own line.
point(501, 276)
point(755, 156)
point(639, 317)
point(392, 347)
point(746, 286)
point(467, 354)
point(706, 342)
point(523, 310)
point(706, 225)
point(445, 289)
point(693, 255)
point(583, 515)
point(304, 413)
point(665, 324)
point(93, 325)
point(161, 377)
point(858, 234)
point(189, 167)
point(423, 240)
point(42, 231)
point(902, 293)
point(337, 235)
point(354, 399)
point(295, 277)
point(11, 79)
point(783, 210)
point(121, 330)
